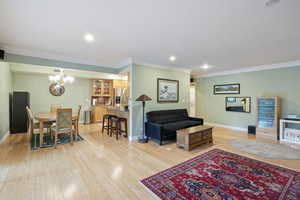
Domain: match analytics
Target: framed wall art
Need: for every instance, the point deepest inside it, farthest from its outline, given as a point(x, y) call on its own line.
point(238, 104)
point(167, 91)
point(227, 89)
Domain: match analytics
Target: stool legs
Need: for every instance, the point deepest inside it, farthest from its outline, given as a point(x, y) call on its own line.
point(125, 122)
point(114, 126)
point(111, 128)
point(106, 124)
point(103, 122)
point(118, 127)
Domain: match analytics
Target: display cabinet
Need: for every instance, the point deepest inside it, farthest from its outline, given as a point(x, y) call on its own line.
point(102, 94)
point(97, 86)
point(102, 88)
point(268, 114)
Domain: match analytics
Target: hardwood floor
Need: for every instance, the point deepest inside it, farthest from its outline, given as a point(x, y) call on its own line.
point(98, 168)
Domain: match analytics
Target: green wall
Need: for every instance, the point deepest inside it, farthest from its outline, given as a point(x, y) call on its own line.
point(5, 89)
point(78, 93)
point(144, 81)
point(282, 82)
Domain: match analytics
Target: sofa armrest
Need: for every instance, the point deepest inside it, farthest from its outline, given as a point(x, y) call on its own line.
point(154, 130)
point(196, 119)
point(153, 127)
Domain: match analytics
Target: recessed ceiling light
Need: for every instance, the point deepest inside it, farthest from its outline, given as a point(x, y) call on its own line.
point(205, 66)
point(172, 58)
point(89, 37)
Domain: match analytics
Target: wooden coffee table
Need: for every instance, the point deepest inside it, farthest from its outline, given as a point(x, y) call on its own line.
point(195, 136)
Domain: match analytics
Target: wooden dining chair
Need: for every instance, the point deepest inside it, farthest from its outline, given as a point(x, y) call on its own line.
point(34, 125)
point(54, 107)
point(31, 124)
point(63, 124)
point(76, 122)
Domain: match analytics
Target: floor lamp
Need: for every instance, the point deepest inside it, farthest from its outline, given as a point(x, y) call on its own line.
point(143, 98)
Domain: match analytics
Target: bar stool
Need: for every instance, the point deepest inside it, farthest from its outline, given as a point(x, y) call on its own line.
point(106, 123)
point(123, 120)
point(114, 127)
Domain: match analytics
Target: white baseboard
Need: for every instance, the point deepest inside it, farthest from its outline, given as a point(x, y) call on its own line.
point(4, 137)
point(206, 123)
point(226, 126)
point(134, 138)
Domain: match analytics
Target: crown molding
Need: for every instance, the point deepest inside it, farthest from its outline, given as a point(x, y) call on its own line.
point(137, 62)
point(122, 65)
point(33, 69)
point(125, 63)
point(252, 69)
point(51, 56)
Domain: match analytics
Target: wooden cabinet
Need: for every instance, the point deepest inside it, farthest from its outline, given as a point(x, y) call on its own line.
point(97, 113)
point(96, 88)
point(120, 83)
point(102, 88)
point(103, 95)
point(190, 138)
point(268, 114)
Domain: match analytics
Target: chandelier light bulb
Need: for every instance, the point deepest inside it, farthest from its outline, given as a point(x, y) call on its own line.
point(68, 79)
point(50, 78)
point(61, 78)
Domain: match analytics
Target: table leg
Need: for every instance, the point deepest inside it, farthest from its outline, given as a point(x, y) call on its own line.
point(41, 133)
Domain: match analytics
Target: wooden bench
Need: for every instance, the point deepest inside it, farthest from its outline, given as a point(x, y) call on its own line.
point(190, 138)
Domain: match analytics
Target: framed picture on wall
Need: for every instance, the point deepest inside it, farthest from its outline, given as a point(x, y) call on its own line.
point(167, 91)
point(238, 104)
point(227, 89)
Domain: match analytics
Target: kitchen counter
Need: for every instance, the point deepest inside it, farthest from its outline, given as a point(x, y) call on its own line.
point(119, 112)
point(115, 108)
point(98, 111)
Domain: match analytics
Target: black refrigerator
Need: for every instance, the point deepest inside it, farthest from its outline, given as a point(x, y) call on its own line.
point(18, 114)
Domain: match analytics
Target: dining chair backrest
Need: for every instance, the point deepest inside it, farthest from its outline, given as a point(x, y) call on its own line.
point(54, 107)
point(29, 113)
point(30, 120)
point(64, 118)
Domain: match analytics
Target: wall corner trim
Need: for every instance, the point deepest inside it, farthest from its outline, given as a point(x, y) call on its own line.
point(4, 137)
point(133, 138)
point(137, 62)
point(252, 69)
point(226, 126)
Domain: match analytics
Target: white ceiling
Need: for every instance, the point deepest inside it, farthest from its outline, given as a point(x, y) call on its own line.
point(228, 35)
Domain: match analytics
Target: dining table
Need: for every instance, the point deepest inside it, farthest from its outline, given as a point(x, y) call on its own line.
point(44, 117)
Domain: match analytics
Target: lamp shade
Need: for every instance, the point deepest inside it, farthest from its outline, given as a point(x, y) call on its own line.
point(143, 98)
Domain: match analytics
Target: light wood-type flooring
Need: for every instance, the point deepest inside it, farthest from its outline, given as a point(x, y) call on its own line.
point(98, 168)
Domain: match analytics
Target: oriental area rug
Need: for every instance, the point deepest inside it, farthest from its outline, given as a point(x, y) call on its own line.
point(219, 174)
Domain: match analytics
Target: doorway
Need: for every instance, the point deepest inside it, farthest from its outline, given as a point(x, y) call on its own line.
point(192, 101)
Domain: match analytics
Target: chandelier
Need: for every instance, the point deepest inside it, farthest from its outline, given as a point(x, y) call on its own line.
point(60, 78)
